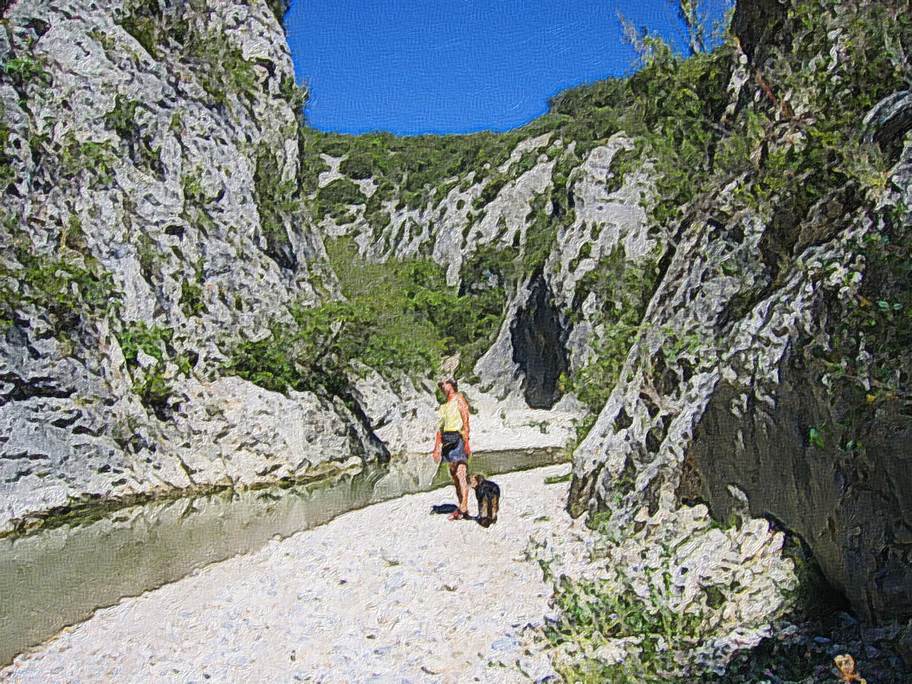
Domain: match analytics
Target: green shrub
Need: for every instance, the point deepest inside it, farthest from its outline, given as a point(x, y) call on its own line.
point(279, 9)
point(96, 159)
point(191, 299)
point(415, 290)
point(69, 293)
point(154, 392)
point(122, 119)
point(490, 191)
point(296, 96)
point(148, 256)
point(398, 317)
point(149, 384)
point(334, 198)
point(625, 288)
point(218, 64)
point(154, 341)
point(26, 69)
point(595, 612)
point(145, 21)
point(872, 342)
point(316, 352)
point(141, 23)
point(491, 266)
point(222, 69)
point(357, 166)
point(192, 185)
point(7, 172)
point(277, 201)
point(541, 233)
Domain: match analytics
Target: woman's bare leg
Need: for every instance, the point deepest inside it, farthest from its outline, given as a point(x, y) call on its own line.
point(462, 490)
point(459, 484)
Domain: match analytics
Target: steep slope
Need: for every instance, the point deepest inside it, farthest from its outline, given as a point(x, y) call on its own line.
point(150, 225)
point(552, 216)
point(771, 375)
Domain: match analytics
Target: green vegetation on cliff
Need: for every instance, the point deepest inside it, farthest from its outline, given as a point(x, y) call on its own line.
point(163, 29)
point(625, 288)
point(70, 291)
point(150, 381)
point(669, 106)
point(411, 171)
point(786, 148)
point(781, 161)
point(397, 317)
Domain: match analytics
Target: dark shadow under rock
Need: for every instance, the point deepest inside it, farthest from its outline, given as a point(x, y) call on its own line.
point(538, 346)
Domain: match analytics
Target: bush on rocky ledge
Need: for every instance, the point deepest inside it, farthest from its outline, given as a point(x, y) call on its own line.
point(397, 317)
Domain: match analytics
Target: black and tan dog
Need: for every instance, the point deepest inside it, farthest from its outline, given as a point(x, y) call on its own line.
point(487, 494)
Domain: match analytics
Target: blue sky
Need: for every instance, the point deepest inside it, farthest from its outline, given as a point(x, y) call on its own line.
point(456, 66)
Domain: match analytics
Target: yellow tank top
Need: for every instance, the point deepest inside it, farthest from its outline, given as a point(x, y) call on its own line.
point(450, 417)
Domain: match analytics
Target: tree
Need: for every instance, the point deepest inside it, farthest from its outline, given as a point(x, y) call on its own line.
point(647, 46)
point(691, 12)
point(693, 15)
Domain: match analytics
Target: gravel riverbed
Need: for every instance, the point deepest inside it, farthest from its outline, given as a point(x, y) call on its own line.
point(387, 593)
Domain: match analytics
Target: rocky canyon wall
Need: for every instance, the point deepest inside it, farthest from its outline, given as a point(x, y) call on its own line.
point(771, 375)
point(150, 171)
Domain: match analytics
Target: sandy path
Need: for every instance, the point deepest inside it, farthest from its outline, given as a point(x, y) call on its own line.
point(387, 593)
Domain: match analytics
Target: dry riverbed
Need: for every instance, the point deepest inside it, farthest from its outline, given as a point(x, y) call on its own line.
point(387, 593)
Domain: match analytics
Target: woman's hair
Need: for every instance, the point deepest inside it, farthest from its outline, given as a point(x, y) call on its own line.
point(448, 381)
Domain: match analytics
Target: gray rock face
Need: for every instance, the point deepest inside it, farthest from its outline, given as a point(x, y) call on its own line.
point(610, 216)
point(819, 454)
point(154, 157)
point(727, 397)
point(547, 328)
point(240, 434)
point(852, 508)
point(890, 120)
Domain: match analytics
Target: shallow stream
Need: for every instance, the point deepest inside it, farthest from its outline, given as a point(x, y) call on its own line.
point(60, 575)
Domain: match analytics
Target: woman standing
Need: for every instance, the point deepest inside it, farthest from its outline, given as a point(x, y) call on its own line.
point(451, 442)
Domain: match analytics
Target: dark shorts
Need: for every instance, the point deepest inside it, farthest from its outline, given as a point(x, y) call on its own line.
point(453, 449)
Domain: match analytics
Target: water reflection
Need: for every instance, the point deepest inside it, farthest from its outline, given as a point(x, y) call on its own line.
point(59, 576)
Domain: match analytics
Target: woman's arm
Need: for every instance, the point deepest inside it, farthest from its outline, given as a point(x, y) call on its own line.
point(464, 412)
point(438, 446)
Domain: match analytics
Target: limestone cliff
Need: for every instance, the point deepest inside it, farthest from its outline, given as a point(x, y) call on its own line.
point(149, 168)
point(771, 375)
point(546, 220)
